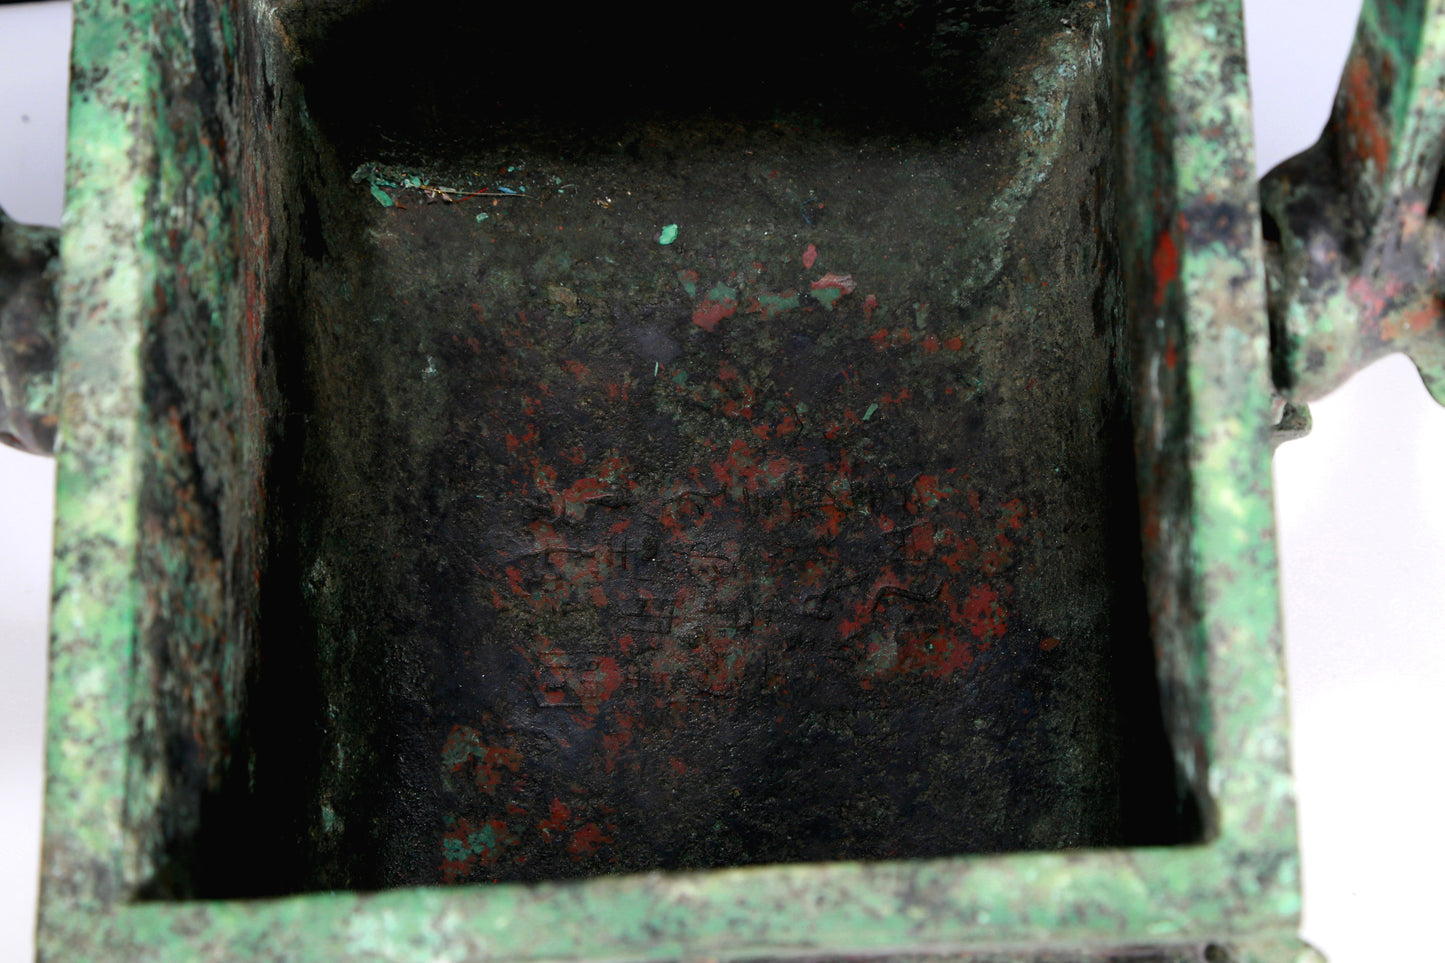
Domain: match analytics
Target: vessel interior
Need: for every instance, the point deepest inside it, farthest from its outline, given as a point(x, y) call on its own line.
point(696, 454)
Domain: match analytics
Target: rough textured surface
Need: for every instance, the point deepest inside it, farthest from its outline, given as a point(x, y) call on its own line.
point(28, 264)
point(229, 678)
point(1356, 242)
point(729, 492)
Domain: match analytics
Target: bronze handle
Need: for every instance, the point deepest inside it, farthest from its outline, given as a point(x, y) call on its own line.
point(1352, 227)
point(29, 264)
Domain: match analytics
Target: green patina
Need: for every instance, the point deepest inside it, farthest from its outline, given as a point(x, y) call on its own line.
point(1043, 283)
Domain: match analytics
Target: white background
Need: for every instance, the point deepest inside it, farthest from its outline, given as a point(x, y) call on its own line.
point(1363, 545)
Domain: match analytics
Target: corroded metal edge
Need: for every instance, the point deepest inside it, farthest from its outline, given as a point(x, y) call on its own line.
point(1204, 421)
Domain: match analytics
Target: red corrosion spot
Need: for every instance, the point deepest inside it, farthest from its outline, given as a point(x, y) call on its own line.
point(488, 778)
point(776, 470)
point(1362, 119)
point(1049, 644)
point(464, 745)
point(557, 819)
point(920, 540)
point(465, 845)
point(1372, 297)
point(603, 683)
point(513, 442)
point(939, 654)
point(810, 257)
point(984, 615)
point(710, 312)
point(843, 283)
point(954, 343)
point(584, 842)
point(1012, 514)
point(896, 401)
point(1419, 318)
point(1166, 266)
point(870, 304)
point(579, 493)
point(927, 493)
point(180, 431)
point(833, 518)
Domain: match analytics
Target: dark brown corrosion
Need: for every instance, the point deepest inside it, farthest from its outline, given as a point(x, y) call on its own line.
point(728, 479)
